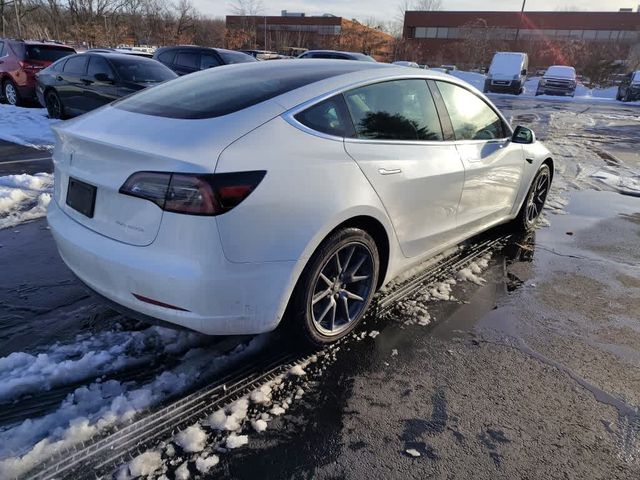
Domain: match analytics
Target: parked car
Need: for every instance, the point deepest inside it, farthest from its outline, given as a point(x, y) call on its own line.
point(83, 82)
point(20, 61)
point(629, 88)
point(336, 55)
point(136, 53)
point(262, 54)
point(449, 68)
point(507, 73)
point(403, 63)
point(558, 80)
point(202, 220)
point(187, 59)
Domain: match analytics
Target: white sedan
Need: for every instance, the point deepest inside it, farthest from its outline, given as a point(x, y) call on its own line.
point(232, 199)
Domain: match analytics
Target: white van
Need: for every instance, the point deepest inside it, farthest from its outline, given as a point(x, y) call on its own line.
point(507, 73)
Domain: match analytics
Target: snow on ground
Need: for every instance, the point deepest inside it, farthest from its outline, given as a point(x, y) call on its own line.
point(91, 409)
point(26, 126)
point(24, 197)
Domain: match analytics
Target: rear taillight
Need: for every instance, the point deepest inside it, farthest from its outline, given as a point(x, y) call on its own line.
point(193, 194)
point(31, 67)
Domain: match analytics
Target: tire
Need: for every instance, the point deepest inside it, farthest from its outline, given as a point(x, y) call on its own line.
point(533, 204)
point(10, 93)
point(618, 96)
point(325, 306)
point(54, 105)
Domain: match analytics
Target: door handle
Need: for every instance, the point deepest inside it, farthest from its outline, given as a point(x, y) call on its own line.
point(389, 171)
point(59, 78)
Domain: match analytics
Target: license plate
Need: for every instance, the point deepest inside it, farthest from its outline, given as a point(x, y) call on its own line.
point(81, 197)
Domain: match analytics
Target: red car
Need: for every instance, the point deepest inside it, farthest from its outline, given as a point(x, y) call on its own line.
point(20, 61)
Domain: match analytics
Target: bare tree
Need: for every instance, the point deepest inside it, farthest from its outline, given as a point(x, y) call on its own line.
point(246, 7)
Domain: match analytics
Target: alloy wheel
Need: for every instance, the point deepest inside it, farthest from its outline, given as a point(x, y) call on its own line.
point(54, 107)
point(538, 196)
point(10, 93)
point(342, 288)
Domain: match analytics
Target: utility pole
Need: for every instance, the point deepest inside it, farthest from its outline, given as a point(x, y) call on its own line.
point(15, 6)
point(524, 2)
point(265, 32)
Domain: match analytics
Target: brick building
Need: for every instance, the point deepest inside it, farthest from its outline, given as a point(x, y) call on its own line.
point(288, 32)
point(471, 38)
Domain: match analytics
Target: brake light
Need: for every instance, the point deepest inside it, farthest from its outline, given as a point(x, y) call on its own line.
point(193, 194)
point(30, 67)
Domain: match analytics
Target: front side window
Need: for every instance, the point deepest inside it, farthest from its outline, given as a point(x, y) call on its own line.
point(395, 110)
point(471, 117)
point(330, 117)
point(208, 60)
point(76, 65)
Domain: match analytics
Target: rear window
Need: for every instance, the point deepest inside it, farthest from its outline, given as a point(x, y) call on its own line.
point(220, 91)
point(47, 53)
point(140, 70)
point(235, 57)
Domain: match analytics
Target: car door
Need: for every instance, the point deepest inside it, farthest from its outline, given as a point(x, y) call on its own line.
point(400, 147)
point(493, 164)
point(186, 61)
point(99, 84)
point(70, 87)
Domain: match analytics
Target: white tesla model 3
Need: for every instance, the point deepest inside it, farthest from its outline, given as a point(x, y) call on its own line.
point(229, 199)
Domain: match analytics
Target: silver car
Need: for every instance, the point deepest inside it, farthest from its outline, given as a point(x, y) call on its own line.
point(284, 191)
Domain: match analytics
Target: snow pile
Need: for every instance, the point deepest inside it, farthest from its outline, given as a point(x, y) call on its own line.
point(24, 197)
point(262, 395)
point(236, 441)
point(26, 126)
point(613, 178)
point(145, 464)
point(204, 464)
point(471, 272)
point(413, 452)
point(259, 425)
point(442, 290)
point(182, 472)
point(91, 409)
point(192, 439)
point(297, 370)
point(230, 418)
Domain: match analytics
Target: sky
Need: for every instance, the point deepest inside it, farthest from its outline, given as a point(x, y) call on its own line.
point(387, 10)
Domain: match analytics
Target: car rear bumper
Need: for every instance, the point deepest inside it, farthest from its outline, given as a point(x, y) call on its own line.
point(183, 271)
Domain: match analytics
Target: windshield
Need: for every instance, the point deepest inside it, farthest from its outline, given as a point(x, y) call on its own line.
point(560, 72)
point(235, 57)
point(138, 70)
point(223, 90)
point(636, 77)
point(47, 53)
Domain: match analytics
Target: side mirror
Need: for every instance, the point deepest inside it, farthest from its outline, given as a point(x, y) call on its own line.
point(103, 77)
point(523, 135)
point(523, 72)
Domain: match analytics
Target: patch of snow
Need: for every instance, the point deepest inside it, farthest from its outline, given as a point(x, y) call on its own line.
point(394, 352)
point(259, 425)
point(26, 126)
point(204, 464)
point(145, 464)
point(182, 472)
point(471, 272)
point(628, 185)
point(374, 333)
point(297, 371)
point(192, 439)
point(261, 395)
point(277, 410)
point(413, 452)
point(236, 441)
point(230, 418)
point(24, 197)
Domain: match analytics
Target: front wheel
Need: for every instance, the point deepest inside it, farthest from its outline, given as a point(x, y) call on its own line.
point(335, 288)
point(11, 94)
point(531, 209)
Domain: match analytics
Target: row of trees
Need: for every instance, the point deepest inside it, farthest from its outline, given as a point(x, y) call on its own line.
point(109, 22)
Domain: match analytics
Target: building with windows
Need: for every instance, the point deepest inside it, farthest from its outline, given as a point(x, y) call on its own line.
point(292, 32)
point(548, 37)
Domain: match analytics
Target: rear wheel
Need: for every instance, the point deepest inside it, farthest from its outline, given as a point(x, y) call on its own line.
point(335, 288)
point(54, 105)
point(531, 209)
point(10, 92)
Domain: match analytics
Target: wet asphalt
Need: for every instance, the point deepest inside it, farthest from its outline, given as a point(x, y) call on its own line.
point(534, 374)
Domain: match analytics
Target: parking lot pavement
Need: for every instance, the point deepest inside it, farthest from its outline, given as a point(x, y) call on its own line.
point(533, 374)
point(16, 159)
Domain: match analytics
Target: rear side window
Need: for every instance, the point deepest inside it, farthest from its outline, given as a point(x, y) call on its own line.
point(47, 53)
point(396, 110)
point(208, 60)
point(235, 57)
point(76, 65)
point(166, 57)
point(188, 59)
point(471, 117)
point(330, 116)
point(220, 91)
point(1, 49)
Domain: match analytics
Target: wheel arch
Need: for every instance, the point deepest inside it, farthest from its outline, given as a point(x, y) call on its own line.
point(549, 161)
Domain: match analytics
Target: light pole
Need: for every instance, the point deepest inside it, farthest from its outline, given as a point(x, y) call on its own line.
point(524, 2)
